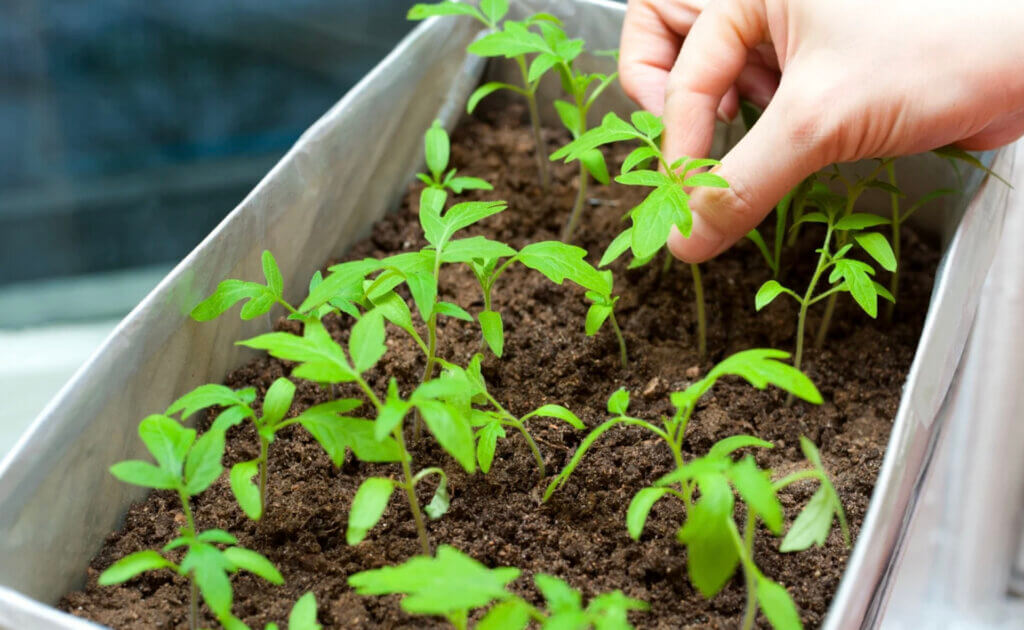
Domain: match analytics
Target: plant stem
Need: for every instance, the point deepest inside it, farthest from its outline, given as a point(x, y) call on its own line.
point(894, 281)
point(533, 448)
point(702, 325)
point(263, 473)
point(622, 342)
point(190, 522)
point(577, 208)
point(193, 604)
point(750, 614)
point(539, 150)
point(808, 298)
point(410, 492)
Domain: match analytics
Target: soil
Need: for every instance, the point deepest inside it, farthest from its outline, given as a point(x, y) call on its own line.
point(498, 518)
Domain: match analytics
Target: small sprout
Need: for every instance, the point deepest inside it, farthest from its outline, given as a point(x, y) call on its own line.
point(437, 147)
point(261, 297)
point(303, 615)
point(666, 206)
point(452, 584)
point(845, 274)
point(206, 566)
point(509, 39)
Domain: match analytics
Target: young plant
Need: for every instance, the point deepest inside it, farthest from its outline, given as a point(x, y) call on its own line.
point(321, 360)
point(668, 203)
point(468, 387)
point(188, 466)
point(437, 148)
point(845, 274)
point(328, 425)
point(261, 297)
point(452, 584)
point(509, 39)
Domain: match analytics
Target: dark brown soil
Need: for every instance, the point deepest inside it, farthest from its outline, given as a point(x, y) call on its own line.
point(498, 518)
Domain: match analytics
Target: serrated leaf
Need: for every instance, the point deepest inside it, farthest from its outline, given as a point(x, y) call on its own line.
point(618, 402)
point(336, 434)
point(761, 367)
point(638, 157)
point(247, 494)
point(167, 441)
point(511, 42)
point(706, 180)
point(493, 331)
point(368, 507)
point(593, 161)
point(878, 247)
point(494, 10)
point(653, 179)
point(460, 216)
point(755, 487)
point(653, 219)
point(345, 280)
point(133, 564)
point(812, 525)
point(611, 129)
point(860, 221)
point(272, 273)
point(857, 277)
point(777, 605)
point(392, 413)
point(321, 359)
point(227, 294)
point(210, 395)
point(436, 147)
point(647, 123)
point(560, 261)
point(640, 508)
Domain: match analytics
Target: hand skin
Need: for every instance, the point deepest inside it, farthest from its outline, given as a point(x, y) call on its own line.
point(840, 80)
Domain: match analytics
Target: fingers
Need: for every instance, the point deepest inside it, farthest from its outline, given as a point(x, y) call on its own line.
point(1000, 132)
point(766, 163)
point(710, 62)
point(648, 49)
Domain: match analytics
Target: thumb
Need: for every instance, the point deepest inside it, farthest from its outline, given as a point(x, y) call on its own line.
point(766, 163)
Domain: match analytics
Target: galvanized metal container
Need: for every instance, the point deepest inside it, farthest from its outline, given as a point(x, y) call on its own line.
point(57, 501)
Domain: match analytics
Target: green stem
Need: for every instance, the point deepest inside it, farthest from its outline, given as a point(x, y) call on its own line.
point(410, 491)
point(622, 341)
point(808, 300)
point(539, 151)
point(750, 614)
point(577, 208)
point(533, 448)
point(193, 604)
point(263, 472)
point(190, 522)
point(702, 325)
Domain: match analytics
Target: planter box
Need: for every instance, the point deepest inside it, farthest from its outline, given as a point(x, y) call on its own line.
point(57, 500)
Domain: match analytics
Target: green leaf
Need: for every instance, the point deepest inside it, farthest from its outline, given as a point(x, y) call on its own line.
point(208, 568)
point(688, 164)
point(486, 89)
point(593, 161)
point(515, 40)
point(761, 367)
point(345, 280)
point(246, 492)
point(458, 217)
point(335, 434)
point(706, 180)
point(494, 10)
point(202, 466)
point(560, 597)
point(617, 247)
point(857, 277)
point(210, 395)
point(278, 401)
point(436, 147)
point(486, 443)
point(653, 179)
point(392, 413)
point(227, 294)
point(513, 614)
point(423, 287)
point(144, 474)
point(755, 487)
point(448, 584)
point(640, 507)
point(493, 331)
point(560, 261)
point(253, 562)
point(322, 360)
point(811, 217)
point(767, 293)
point(368, 507)
point(647, 123)
point(167, 441)
point(860, 221)
point(448, 7)
point(452, 310)
point(884, 293)
point(610, 611)
point(569, 115)
point(459, 184)
point(665, 207)
point(611, 129)
point(596, 316)
point(133, 564)
point(712, 556)
point(452, 430)
point(218, 536)
point(539, 66)
point(618, 402)
point(727, 446)
point(556, 411)
point(877, 246)
point(440, 502)
point(366, 342)
point(272, 273)
point(394, 309)
point(639, 157)
point(812, 525)
point(777, 605)
point(303, 615)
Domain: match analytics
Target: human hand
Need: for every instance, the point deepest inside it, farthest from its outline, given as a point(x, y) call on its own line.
point(842, 80)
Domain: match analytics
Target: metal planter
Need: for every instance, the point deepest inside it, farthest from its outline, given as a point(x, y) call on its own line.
point(57, 501)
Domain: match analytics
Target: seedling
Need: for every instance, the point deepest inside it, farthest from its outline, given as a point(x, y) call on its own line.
point(302, 617)
point(452, 584)
point(328, 425)
point(188, 466)
point(509, 39)
point(321, 360)
point(261, 297)
point(666, 206)
point(437, 148)
point(845, 274)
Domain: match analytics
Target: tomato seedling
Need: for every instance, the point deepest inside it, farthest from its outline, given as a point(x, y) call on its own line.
point(668, 203)
point(452, 584)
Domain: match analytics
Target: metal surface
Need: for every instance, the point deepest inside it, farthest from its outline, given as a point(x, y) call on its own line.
point(57, 501)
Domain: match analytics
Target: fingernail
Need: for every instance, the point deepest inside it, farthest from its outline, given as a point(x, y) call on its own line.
point(721, 115)
point(703, 243)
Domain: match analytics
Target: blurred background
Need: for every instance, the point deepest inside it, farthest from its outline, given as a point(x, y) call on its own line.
point(128, 130)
